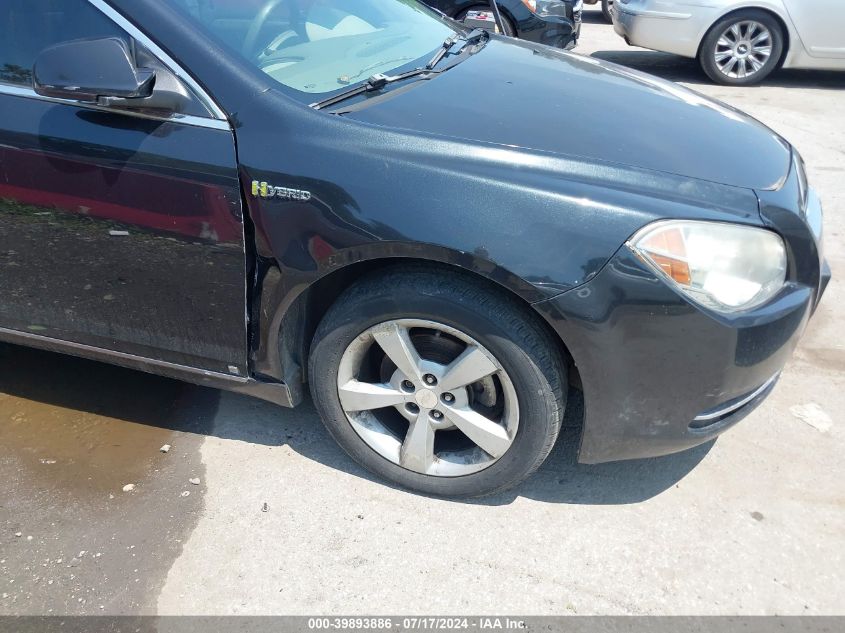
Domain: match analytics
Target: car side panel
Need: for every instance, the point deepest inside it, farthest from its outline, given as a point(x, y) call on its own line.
point(819, 24)
point(680, 27)
point(121, 233)
point(393, 194)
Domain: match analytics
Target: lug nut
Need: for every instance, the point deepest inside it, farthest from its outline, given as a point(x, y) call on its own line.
point(437, 415)
point(429, 379)
point(407, 385)
point(448, 398)
point(412, 408)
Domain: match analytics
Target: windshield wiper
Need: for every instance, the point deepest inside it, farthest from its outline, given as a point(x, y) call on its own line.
point(376, 82)
point(379, 80)
point(470, 38)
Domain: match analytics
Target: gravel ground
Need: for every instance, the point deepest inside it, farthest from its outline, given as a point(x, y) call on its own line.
point(283, 522)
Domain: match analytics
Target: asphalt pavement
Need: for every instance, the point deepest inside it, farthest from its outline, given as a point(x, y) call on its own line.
point(254, 510)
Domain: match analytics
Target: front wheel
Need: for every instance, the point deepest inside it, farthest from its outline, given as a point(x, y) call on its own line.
point(438, 383)
point(742, 49)
point(606, 10)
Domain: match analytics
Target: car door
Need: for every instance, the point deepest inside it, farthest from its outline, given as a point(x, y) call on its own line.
point(119, 230)
point(820, 25)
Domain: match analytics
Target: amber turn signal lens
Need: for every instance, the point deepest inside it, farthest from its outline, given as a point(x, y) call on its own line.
point(669, 252)
point(677, 270)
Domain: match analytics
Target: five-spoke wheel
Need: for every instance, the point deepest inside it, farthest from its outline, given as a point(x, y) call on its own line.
point(457, 389)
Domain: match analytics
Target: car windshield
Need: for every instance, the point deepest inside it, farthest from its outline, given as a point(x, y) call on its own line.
point(319, 47)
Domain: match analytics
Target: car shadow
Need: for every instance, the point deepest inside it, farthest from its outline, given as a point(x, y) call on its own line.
point(594, 16)
point(31, 377)
point(80, 385)
point(685, 70)
point(561, 479)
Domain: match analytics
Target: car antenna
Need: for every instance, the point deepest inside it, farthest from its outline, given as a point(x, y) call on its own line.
point(498, 17)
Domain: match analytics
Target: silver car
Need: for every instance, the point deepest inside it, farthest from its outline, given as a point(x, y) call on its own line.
point(739, 42)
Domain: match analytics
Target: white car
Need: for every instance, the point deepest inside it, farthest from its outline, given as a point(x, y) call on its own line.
point(739, 42)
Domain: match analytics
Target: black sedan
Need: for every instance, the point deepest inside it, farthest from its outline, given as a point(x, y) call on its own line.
point(438, 231)
point(553, 22)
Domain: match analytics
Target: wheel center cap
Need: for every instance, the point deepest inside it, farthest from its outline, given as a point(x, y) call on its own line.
point(426, 398)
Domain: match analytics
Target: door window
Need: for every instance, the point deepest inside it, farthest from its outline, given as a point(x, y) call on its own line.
point(29, 26)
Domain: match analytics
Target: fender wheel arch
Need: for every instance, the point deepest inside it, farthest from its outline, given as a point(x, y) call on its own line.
point(299, 319)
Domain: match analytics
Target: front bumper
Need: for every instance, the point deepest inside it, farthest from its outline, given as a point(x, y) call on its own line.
point(661, 374)
point(649, 25)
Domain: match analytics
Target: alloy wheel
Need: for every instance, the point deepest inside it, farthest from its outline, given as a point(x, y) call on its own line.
point(743, 49)
point(428, 397)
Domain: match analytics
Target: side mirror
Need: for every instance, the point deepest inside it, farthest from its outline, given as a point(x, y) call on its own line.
point(98, 71)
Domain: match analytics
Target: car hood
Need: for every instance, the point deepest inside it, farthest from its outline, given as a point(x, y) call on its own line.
point(524, 96)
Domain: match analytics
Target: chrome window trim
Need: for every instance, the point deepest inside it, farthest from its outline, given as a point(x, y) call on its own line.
point(215, 110)
point(186, 119)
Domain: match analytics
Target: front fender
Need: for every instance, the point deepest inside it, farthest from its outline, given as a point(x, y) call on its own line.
point(536, 223)
point(553, 221)
point(280, 313)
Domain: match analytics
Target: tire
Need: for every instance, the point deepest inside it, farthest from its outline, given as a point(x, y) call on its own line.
point(531, 376)
point(508, 27)
point(726, 39)
point(605, 10)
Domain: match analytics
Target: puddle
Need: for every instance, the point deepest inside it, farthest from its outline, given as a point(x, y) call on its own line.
point(73, 433)
point(83, 426)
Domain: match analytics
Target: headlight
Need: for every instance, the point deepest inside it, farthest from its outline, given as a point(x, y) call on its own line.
point(546, 7)
point(726, 267)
